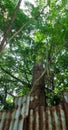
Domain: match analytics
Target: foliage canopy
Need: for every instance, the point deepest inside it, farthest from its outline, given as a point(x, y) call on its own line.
point(39, 33)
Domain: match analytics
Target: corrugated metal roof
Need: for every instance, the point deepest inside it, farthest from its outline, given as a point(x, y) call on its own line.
point(40, 118)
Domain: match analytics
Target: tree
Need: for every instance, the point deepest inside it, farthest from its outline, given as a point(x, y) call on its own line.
point(38, 34)
point(38, 86)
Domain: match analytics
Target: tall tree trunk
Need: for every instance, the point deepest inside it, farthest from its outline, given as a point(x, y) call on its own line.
point(38, 87)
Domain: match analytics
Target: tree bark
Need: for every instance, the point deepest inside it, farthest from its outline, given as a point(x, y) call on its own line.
point(38, 87)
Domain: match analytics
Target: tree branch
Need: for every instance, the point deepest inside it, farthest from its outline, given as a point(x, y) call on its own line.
point(23, 82)
point(17, 32)
point(2, 45)
point(11, 94)
point(23, 26)
point(9, 26)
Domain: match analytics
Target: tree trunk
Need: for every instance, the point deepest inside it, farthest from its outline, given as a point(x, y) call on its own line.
point(38, 87)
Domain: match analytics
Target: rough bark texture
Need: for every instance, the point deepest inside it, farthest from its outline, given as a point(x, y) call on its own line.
point(38, 87)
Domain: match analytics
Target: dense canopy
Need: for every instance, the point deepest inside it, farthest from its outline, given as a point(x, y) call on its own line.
point(39, 32)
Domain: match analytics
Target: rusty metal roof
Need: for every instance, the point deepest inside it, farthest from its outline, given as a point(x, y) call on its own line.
point(40, 118)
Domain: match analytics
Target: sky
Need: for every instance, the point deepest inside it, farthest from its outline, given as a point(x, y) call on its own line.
point(22, 3)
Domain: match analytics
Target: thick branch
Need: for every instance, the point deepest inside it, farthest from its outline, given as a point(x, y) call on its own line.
point(9, 26)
